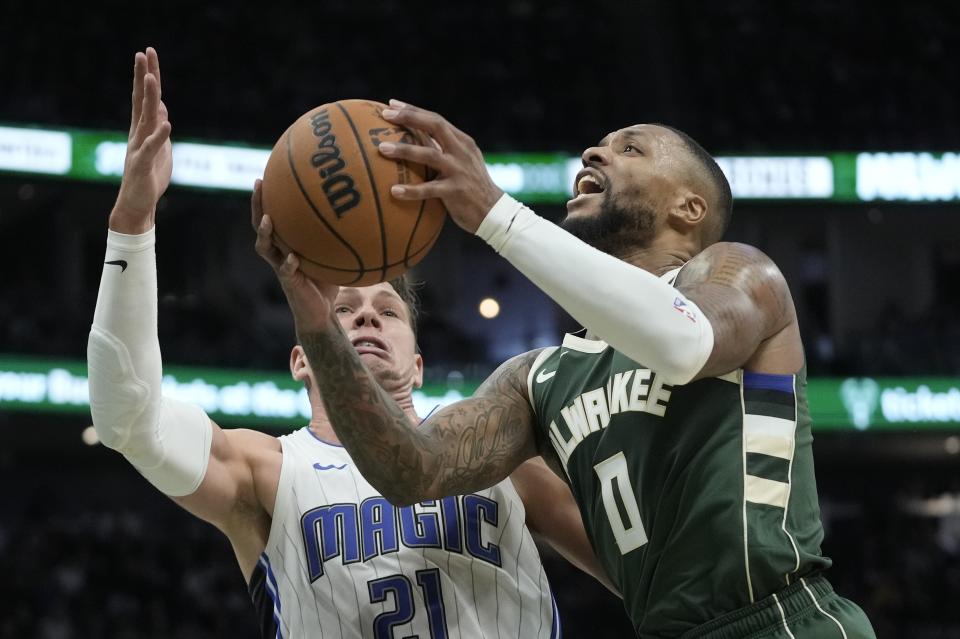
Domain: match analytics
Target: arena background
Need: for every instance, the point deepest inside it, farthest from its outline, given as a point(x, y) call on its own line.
point(839, 127)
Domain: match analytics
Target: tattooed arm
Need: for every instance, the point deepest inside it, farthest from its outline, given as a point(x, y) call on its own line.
point(461, 448)
point(748, 303)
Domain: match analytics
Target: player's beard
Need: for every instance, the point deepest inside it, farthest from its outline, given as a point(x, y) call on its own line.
point(617, 229)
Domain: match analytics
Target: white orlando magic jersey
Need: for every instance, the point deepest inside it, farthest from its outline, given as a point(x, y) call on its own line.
point(342, 562)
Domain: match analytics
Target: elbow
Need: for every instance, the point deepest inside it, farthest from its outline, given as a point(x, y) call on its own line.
point(401, 499)
point(394, 488)
point(119, 416)
point(111, 418)
point(677, 373)
point(684, 359)
point(676, 356)
point(120, 401)
point(109, 437)
point(674, 367)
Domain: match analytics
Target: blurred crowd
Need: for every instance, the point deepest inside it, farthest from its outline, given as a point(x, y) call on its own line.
point(125, 571)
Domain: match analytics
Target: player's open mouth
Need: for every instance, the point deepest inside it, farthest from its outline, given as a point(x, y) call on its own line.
point(588, 182)
point(371, 345)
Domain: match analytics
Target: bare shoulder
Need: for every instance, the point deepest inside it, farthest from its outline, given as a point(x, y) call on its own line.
point(243, 447)
point(511, 376)
point(239, 486)
point(733, 264)
point(727, 268)
point(252, 441)
point(261, 453)
point(748, 302)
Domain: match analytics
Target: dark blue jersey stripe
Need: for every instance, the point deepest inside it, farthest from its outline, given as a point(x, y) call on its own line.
point(265, 602)
point(768, 381)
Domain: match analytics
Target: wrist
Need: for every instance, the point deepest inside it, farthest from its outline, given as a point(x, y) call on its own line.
point(499, 220)
point(486, 205)
point(131, 219)
point(130, 223)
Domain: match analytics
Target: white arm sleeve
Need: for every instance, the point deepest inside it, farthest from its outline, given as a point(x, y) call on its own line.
point(166, 440)
point(634, 311)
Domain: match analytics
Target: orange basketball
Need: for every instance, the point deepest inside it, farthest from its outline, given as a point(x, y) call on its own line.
point(327, 190)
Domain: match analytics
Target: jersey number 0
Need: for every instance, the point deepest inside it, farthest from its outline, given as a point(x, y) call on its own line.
point(614, 483)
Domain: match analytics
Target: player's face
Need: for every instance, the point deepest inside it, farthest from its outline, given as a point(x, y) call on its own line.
point(625, 188)
point(377, 323)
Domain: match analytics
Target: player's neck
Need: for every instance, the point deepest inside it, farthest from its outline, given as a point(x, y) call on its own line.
point(658, 255)
point(405, 402)
point(656, 260)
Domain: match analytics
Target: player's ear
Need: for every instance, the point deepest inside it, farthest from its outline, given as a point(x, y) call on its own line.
point(298, 363)
point(418, 374)
point(689, 211)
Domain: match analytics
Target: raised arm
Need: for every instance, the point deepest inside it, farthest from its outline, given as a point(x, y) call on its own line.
point(173, 444)
point(663, 327)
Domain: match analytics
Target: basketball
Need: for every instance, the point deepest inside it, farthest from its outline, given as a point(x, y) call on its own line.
point(327, 190)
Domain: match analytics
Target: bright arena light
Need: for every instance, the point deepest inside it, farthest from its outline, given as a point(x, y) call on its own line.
point(952, 444)
point(89, 436)
point(489, 307)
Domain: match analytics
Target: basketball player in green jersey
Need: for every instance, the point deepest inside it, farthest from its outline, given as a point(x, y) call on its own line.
point(680, 420)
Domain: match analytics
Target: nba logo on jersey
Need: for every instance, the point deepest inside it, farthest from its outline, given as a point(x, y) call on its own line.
point(683, 308)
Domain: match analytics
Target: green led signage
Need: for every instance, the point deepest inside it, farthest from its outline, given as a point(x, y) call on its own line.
point(272, 399)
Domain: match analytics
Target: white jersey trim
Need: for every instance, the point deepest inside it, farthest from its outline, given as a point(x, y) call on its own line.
point(537, 363)
point(583, 344)
point(817, 604)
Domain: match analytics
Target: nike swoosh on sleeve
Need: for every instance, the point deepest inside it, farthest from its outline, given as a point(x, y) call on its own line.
point(542, 377)
point(121, 263)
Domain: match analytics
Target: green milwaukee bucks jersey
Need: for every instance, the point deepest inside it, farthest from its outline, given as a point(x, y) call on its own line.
point(699, 499)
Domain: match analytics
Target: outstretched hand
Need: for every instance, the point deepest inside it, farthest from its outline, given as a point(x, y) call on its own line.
point(149, 160)
point(311, 302)
point(462, 183)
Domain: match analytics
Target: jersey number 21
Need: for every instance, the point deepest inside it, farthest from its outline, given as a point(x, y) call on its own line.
point(402, 590)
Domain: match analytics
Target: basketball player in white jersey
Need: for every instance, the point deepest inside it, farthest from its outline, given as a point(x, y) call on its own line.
point(324, 554)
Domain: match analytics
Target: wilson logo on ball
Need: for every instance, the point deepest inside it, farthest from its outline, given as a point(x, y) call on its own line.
point(337, 187)
point(326, 188)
